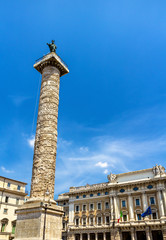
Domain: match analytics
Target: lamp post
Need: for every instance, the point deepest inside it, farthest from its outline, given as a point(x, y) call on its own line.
point(45, 206)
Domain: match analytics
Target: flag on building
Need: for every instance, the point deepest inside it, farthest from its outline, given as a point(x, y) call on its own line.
point(147, 212)
point(121, 215)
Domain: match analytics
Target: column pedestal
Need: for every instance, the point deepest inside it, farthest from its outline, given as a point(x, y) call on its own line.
point(38, 221)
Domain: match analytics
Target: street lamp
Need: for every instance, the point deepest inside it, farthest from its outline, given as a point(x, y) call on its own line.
point(45, 206)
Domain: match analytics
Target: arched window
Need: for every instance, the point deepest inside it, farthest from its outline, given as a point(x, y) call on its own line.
point(4, 223)
point(13, 226)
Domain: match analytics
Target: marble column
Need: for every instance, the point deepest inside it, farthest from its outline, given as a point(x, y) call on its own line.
point(164, 199)
point(71, 213)
point(131, 211)
point(148, 236)
point(132, 233)
point(164, 232)
point(111, 207)
point(160, 202)
point(104, 236)
point(41, 211)
point(116, 207)
point(145, 203)
point(96, 236)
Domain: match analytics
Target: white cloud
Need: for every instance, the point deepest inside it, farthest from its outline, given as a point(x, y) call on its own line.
point(6, 170)
point(106, 171)
point(31, 141)
point(101, 164)
point(84, 149)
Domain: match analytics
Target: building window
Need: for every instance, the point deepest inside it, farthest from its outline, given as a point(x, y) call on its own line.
point(84, 196)
point(137, 202)
point(122, 190)
point(124, 218)
point(99, 220)
point(152, 201)
point(139, 216)
point(3, 227)
point(123, 203)
point(18, 187)
point(5, 211)
point(107, 220)
point(77, 197)
point(106, 193)
point(84, 221)
point(154, 215)
point(91, 195)
point(91, 220)
point(84, 208)
point(77, 208)
point(17, 201)
point(77, 222)
point(98, 194)
point(106, 205)
point(13, 228)
point(8, 185)
point(91, 206)
point(149, 186)
point(6, 199)
point(135, 188)
point(64, 203)
point(99, 206)
point(63, 225)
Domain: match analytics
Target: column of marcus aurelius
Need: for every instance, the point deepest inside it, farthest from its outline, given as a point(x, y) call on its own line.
point(40, 217)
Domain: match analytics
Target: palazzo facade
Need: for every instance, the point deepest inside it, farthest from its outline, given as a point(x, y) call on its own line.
point(12, 195)
point(91, 212)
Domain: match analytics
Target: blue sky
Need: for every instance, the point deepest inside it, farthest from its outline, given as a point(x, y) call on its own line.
point(112, 112)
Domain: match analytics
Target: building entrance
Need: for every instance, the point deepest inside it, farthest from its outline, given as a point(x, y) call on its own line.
point(92, 236)
point(141, 235)
point(84, 236)
point(100, 236)
point(157, 235)
point(107, 236)
point(126, 236)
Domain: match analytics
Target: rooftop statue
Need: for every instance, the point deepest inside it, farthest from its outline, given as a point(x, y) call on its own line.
point(112, 177)
point(158, 170)
point(52, 46)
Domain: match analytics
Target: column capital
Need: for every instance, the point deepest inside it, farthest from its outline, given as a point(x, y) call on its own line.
point(51, 59)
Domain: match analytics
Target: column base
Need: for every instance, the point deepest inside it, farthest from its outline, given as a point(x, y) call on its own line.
point(37, 220)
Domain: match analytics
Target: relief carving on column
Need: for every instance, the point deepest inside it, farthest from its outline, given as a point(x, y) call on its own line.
point(112, 178)
point(158, 170)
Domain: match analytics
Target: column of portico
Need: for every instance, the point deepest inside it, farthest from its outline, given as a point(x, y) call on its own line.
point(148, 237)
point(145, 203)
point(164, 198)
point(160, 202)
point(132, 234)
point(80, 236)
point(104, 236)
point(164, 232)
point(88, 236)
point(71, 213)
point(111, 207)
point(116, 211)
point(96, 236)
point(131, 211)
